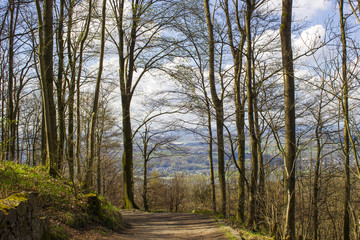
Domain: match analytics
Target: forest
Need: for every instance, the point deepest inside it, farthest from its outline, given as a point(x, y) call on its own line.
point(116, 95)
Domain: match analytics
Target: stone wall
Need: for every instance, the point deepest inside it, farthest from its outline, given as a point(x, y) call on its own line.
point(19, 218)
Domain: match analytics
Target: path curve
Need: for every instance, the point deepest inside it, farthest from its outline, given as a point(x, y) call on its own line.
point(143, 225)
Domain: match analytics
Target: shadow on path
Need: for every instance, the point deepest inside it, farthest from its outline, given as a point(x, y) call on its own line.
point(144, 225)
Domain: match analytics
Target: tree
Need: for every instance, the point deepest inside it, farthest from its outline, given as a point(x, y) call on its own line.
point(219, 109)
point(153, 143)
point(250, 101)
point(60, 83)
point(137, 32)
point(345, 113)
point(45, 19)
point(82, 38)
point(92, 136)
point(192, 79)
point(11, 114)
point(290, 127)
point(237, 53)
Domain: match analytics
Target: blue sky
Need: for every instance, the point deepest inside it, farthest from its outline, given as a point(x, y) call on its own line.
point(314, 11)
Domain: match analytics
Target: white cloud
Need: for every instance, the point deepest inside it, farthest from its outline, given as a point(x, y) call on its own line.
point(310, 38)
point(306, 9)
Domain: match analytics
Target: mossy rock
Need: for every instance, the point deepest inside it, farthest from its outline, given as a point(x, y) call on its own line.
point(94, 204)
point(12, 202)
point(108, 215)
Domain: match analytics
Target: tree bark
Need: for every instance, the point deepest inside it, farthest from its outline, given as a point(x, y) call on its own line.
point(146, 160)
point(316, 187)
point(47, 77)
point(10, 115)
point(251, 220)
point(345, 110)
point(237, 53)
point(211, 162)
point(290, 127)
point(126, 77)
point(60, 85)
point(219, 112)
point(92, 137)
point(71, 99)
point(129, 201)
point(84, 35)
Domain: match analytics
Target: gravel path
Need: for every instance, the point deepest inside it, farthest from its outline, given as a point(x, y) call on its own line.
point(168, 226)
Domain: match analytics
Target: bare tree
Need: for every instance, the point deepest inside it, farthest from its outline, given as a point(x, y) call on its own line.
point(345, 113)
point(45, 19)
point(92, 136)
point(237, 53)
point(137, 33)
point(218, 104)
point(289, 102)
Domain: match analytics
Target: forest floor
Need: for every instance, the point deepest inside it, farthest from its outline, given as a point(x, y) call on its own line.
point(144, 225)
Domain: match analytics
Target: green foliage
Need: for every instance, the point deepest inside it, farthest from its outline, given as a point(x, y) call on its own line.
point(12, 201)
point(16, 177)
point(231, 221)
point(57, 199)
point(110, 216)
point(58, 233)
point(77, 220)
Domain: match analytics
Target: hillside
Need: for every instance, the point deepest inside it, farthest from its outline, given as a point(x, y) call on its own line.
point(64, 207)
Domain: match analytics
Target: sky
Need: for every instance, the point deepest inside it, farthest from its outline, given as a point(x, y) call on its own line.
point(312, 10)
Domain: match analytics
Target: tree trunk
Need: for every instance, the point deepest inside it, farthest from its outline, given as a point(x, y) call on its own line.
point(345, 109)
point(92, 137)
point(218, 109)
point(261, 186)
point(145, 190)
point(60, 85)
point(211, 162)
point(46, 80)
point(237, 53)
point(290, 127)
point(315, 210)
point(145, 158)
point(250, 100)
point(126, 72)
point(11, 114)
point(43, 140)
point(127, 159)
point(71, 99)
point(78, 114)
point(99, 163)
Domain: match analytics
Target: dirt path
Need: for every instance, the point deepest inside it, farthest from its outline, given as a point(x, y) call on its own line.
point(169, 226)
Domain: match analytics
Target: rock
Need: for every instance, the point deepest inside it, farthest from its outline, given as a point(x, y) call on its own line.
point(32, 201)
point(37, 229)
point(94, 204)
point(20, 220)
point(12, 217)
point(21, 209)
point(2, 216)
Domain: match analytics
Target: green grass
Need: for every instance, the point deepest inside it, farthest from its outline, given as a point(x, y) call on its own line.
point(15, 178)
point(57, 200)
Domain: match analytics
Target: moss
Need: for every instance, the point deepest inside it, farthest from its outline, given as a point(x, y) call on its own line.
point(90, 195)
point(58, 233)
point(12, 202)
point(57, 199)
point(104, 212)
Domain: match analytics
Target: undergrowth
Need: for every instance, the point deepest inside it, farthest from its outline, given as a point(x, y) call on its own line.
point(60, 201)
point(232, 222)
